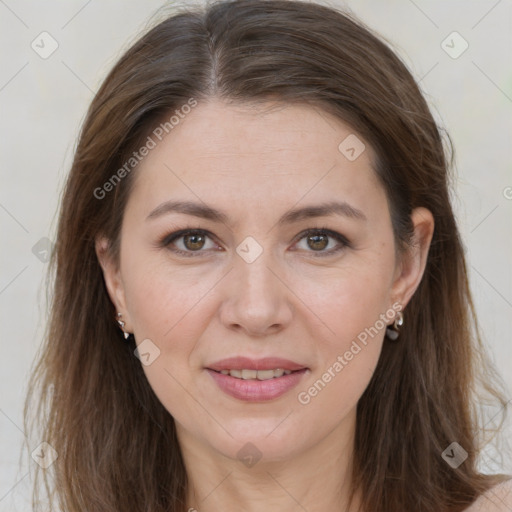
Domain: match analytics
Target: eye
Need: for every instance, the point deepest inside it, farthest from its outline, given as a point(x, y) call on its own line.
point(191, 241)
point(318, 239)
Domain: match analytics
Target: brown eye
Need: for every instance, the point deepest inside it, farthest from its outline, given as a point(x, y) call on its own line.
point(189, 242)
point(194, 241)
point(322, 241)
point(318, 242)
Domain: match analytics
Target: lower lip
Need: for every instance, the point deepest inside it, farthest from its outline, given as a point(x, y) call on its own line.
point(253, 390)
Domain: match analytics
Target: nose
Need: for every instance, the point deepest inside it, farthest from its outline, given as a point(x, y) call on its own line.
point(257, 300)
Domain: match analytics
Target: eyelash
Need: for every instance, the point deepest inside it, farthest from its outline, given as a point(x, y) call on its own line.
point(168, 239)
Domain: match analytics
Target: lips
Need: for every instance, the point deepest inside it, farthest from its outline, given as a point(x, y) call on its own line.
point(256, 380)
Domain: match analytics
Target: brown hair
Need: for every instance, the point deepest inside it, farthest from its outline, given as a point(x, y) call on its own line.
point(116, 443)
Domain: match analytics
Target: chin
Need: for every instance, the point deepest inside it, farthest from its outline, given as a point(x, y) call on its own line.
point(265, 439)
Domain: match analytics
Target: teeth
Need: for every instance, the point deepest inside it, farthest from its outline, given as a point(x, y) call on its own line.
point(256, 374)
point(248, 374)
point(267, 374)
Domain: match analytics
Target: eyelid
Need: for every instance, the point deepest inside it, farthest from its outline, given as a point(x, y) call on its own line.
point(166, 241)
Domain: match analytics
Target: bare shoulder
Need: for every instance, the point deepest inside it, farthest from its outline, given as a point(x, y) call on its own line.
point(496, 499)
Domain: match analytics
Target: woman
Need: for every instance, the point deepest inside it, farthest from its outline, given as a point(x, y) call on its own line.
point(261, 300)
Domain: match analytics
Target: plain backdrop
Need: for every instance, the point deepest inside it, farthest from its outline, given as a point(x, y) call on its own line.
point(466, 77)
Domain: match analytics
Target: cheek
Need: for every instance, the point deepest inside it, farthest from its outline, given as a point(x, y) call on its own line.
point(167, 306)
point(352, 307)
point(349, 299)
point(162, 298)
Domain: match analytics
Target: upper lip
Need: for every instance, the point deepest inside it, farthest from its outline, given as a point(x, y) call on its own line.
point(245, 363)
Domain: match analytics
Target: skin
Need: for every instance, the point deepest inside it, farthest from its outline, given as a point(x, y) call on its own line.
point(497, 499)
point(255, 164)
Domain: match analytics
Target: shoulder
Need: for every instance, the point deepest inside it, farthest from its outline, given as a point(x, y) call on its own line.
point(496, 499)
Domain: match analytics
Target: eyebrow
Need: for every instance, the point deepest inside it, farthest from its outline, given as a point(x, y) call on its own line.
point(206, 212)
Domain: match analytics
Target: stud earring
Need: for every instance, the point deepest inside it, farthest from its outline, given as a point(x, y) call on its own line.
point(121, 325)
point(393, 331)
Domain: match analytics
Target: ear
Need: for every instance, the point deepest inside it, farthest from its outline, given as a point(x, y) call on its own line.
point(112, 276)
point(411, 266)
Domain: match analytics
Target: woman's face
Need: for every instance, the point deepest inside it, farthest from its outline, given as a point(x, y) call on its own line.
point(253, 283)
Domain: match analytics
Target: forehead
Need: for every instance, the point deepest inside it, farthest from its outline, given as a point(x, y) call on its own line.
point(263, 129)
point(260, 151)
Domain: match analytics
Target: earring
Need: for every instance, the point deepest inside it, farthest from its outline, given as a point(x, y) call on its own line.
point(121, 325)
point(392, 332)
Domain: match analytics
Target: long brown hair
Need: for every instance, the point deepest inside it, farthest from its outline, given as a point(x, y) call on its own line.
point(116, 443)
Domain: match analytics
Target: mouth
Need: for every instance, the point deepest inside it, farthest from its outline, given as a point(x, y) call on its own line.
point(256, 380)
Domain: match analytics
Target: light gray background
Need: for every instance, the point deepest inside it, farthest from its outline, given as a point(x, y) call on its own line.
point(43, 101)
